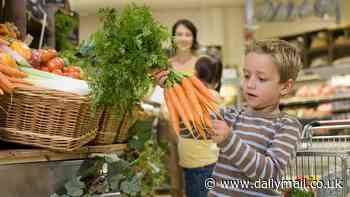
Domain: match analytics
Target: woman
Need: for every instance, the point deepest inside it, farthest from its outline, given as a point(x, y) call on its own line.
point(183, 58)
point(198, 156)
point(186, 45)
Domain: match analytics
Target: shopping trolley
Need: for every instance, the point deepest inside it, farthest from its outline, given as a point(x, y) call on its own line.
point(324, 158)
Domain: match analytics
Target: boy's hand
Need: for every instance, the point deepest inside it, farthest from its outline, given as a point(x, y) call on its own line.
point(221, 131)
point(160, 76)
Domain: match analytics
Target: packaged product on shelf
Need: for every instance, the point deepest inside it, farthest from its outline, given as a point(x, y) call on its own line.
point(318, 90)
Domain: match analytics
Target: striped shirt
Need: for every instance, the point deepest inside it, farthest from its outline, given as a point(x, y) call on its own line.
point(258, 149)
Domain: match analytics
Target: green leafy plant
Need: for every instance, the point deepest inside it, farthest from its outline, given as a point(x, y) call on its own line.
point(64, 25)
point(120, 55)
point(138, 172)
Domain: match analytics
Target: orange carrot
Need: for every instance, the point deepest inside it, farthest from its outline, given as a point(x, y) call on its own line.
point(195, 105)
point(12, 72)
point(193, 117)
point(5, 84)
point(179, 108)
point(208, 104)
point(1, 92)
point(15, 80)
point(207, 120)
point(191, 95)
point(201, 88)
point(200, 129)
point(184, 101)
point(2, 41)
point(174, 117)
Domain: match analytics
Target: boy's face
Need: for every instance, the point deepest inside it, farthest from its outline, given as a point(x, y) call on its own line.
point(261, 87)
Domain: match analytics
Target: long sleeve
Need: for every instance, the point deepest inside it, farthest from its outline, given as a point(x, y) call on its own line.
point(256, 165)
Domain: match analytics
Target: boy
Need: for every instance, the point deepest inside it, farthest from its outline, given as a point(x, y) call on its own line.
point(257, 141)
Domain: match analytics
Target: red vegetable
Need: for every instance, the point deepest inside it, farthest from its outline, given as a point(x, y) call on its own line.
point(55, 63)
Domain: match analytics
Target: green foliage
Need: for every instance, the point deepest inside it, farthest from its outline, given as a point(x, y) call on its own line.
point(145, 170)
point(75, 187)
point(69, 57)
point(299, 192)
point(137, 172)
point(121, 53)
point(64, 25)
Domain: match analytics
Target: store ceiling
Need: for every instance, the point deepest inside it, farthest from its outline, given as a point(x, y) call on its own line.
point(91, 6)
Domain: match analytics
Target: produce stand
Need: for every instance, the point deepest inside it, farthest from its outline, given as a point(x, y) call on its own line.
point(16, 156)
point(40, 172)
point(68, 135)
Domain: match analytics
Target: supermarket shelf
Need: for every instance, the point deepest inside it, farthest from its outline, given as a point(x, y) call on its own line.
point(341, 110)
point(327, 71)
point(26, 155)
point(308, 78)
point(311, 100)
point(317, 50)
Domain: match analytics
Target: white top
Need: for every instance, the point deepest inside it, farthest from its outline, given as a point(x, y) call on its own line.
point(157, 95)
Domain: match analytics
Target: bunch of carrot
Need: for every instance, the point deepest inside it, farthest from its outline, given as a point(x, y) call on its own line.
point(190, 101)
point(10, 78)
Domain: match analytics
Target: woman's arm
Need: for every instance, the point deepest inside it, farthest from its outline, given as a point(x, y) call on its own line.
point(160, 76)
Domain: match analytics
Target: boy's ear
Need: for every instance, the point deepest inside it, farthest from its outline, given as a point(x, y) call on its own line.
point(287, 87)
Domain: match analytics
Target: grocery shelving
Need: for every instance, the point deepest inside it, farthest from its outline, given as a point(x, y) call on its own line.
point(332, 47)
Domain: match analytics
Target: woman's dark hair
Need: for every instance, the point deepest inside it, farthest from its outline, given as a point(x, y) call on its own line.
point(189, 25)
point(209, 70)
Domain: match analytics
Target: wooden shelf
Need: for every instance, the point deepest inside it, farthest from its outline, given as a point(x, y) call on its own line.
point(11, 156)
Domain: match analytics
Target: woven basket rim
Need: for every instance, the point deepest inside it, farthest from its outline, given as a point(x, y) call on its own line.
point(34, 90)
point(48, 136)
point(81, 141)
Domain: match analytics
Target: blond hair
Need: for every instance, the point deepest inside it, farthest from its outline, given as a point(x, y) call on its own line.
point(285, 55)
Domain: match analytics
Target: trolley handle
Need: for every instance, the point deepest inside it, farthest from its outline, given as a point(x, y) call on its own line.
point(326, 124)
point(329, 122)
point(314, 124)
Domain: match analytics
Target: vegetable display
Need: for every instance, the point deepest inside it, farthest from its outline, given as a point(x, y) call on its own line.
point(120, 55)
point(189, 101)
point(10, 78)
point(22, 49)
point(48, 60)
point(9, 30)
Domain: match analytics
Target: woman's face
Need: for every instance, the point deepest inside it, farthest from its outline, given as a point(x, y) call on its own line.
point(183, 38)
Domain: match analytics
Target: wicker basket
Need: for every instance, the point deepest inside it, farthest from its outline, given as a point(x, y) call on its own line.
point(47, 118)
point(57, 143)
point(114, 126)
point(128, 121)
point(109, 124)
